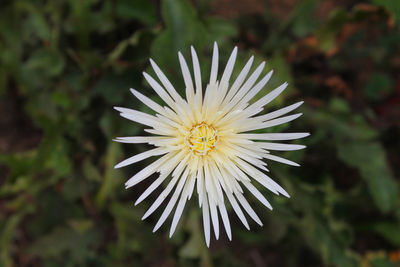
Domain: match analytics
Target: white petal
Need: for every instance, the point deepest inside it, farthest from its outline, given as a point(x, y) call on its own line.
point(229, 66)
point(199, 89)
point(206, 220)
point(179, 209)
point(164, 174)
point(166, 191)
point(151, 104)
point(280, 112)
point(216, 181)
point(272, 123)
point(172, 201)
point(226, 177)
point(200, 185)
point(274, 136)
point(151, 188)
point(236, 171)
point(254, 108)
point(214, 65)
point(169, 122)
point(258, 176)
point(191, 185)
point(164, 80)
point(140, 117)
point(196, 70)
point(187, 79)
point(257, 88)
point(279, 146)
point(247, 86)
point(282, 160)
point(214, 217)
point(225, 220)
point(227, 75)
point(257, 194)
point(237, 210)
point(248, 208)
point(140, 139)
point(159, 90)
point(262, 178)
point(243, 150)
point(142, 156)
point(239, 81)
point(149, 170)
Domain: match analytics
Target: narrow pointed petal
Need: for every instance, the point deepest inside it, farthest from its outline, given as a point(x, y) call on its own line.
point(225, 220)
point(171, 202)
point(142, 156)
point(164, 80)
point(280, 112)
point(273, 123)
point(281, 160)
point(279, 146)
point(162, 196)
point(206, 220)
point(257, 88)
point(149, 170)
point(238, 210)
point(196, 70)
point(214, 65)
point(253, 109)
point(229, 66)
point(179, 210)
point(275, 136)
point(258, 195)
point(187, 79)
point(150, 103)
point(248, 208)
point(214, 217)
point(239, 80)
point(159, 90)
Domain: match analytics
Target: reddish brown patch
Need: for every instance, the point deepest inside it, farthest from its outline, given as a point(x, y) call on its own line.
point(394, 256)
point(231, 9)
point(339, 86)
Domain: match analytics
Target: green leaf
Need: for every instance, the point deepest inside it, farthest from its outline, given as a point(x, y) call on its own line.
point(7, 234)
point(64, 239)
point(389, 230)
point(133, 233)
point(378, 86)
point(327, 33)
point(109, 179)
point(302, 22)
point(42, 64)
point(59, 160)
point(339, 122)
point(195, 247)
point(327, 241)
point(120, 84)
point(221, 29)
point(391, 5)
point(142, 10)
point(183, 29)
point(370, 159)
point(383, 262)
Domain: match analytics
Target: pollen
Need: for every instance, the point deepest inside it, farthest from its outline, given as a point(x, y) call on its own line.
point(202, 139)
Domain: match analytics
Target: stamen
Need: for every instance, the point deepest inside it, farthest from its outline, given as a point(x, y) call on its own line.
point(202, 139)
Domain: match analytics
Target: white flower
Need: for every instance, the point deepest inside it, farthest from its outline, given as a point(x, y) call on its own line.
point(204, 142)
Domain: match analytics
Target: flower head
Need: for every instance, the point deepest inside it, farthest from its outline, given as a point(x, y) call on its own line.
point(204, 142)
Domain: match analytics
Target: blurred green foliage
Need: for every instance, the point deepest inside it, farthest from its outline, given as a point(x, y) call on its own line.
point(64, 64)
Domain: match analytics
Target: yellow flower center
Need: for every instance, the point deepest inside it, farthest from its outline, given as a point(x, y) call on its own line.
point(202, 138)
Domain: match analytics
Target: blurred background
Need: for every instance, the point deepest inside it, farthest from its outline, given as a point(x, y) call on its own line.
point(65, 63)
